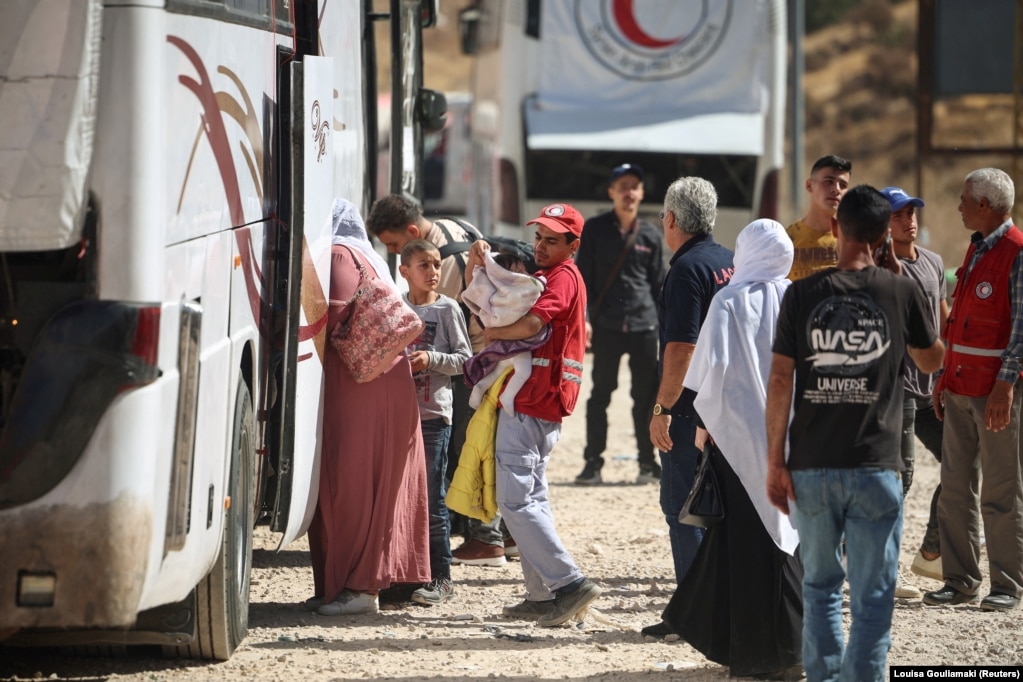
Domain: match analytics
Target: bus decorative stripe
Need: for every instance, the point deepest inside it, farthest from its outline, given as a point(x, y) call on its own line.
point(215, 106)
point(214, 127)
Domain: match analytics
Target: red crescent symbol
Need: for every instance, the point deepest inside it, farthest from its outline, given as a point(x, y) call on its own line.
point(626, 20)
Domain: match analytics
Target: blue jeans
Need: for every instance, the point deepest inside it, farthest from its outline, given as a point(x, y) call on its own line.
point(436, 433)
point(678, 470)
point(865, 506)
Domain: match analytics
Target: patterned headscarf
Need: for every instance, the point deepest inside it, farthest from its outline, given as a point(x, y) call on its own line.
point(350, 231)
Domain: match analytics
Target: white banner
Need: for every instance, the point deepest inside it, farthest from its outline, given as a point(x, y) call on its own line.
point(679, 57)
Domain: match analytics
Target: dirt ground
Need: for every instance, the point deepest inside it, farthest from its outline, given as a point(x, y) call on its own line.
point(617, 535)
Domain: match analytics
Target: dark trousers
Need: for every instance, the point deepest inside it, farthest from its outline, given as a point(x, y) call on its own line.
point(608, 349)
point(461, 413)
point(919, 421)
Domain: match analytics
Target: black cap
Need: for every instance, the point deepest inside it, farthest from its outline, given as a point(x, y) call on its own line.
point(626, 169)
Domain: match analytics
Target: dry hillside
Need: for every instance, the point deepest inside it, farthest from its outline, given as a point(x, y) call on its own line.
point(860, 102)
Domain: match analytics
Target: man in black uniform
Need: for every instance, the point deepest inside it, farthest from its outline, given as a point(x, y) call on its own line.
point(622, 264)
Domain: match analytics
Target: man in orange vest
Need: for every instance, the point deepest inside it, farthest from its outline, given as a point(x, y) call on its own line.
point(978, 398)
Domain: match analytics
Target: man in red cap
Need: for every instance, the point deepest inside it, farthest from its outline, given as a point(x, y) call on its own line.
point(556, 590)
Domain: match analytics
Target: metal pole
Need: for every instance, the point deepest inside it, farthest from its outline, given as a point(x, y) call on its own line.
point(797, 28)
point(397, 69)
point(1017, 98)
point(925, 37)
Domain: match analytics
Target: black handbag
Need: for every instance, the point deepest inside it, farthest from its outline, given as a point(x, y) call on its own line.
point(704, 507)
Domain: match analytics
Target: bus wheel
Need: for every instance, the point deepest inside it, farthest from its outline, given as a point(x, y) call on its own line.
point(222, 597)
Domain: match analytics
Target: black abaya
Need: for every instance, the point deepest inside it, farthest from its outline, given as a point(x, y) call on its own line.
point(740, 604)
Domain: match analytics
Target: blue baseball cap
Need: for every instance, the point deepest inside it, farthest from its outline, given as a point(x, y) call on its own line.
point(626, 169)
point(899, 199)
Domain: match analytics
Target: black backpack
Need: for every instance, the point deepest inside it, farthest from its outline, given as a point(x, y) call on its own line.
point(523, 250)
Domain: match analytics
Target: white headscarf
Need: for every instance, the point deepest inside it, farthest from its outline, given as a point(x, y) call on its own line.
point(350, 231)
point(732, 361)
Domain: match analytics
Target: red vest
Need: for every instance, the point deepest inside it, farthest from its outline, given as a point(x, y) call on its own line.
point(981, 318)
point(552, 389)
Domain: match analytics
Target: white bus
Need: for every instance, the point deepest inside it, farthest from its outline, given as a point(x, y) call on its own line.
point(167, 169)
point(565, 90)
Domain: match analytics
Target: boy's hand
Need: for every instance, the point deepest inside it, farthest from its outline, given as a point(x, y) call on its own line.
point(419, 360)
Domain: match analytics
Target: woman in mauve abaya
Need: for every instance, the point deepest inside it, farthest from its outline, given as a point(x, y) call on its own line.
point(371, 526)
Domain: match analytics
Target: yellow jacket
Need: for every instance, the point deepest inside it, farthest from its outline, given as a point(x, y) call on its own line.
point(472, 492)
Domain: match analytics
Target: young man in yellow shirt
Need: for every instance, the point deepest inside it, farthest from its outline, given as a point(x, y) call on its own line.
point(811, 236)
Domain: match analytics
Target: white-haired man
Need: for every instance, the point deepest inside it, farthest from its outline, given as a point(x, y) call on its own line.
point(978, 398)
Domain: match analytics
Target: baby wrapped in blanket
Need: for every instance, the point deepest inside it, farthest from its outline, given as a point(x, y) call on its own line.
point(499, 294)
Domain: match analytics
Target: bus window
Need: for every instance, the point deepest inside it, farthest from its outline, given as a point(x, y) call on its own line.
point(258, 13)
point(581, 176)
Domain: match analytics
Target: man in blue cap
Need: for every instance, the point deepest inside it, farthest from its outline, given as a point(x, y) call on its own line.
point(918, 418)
point(622, 263)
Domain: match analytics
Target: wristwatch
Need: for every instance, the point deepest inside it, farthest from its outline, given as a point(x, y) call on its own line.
point(659, 410)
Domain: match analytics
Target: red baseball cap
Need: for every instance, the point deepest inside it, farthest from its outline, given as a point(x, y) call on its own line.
point(560, 218)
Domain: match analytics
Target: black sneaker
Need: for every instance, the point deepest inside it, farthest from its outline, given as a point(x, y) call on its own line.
point(590, 475)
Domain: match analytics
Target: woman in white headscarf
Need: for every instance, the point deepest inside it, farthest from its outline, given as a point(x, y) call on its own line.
point(741, 603)
point(371, 527)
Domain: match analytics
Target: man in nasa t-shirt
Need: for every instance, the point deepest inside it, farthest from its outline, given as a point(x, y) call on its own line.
point(842, 333)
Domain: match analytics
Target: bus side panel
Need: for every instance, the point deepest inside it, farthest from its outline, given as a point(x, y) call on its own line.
point(199, 271)
point(219, 80)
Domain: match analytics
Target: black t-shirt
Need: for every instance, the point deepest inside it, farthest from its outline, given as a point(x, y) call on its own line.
point(847, 331)
point(698, 269)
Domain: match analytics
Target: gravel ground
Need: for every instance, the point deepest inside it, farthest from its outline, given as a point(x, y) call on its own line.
point(617, 535)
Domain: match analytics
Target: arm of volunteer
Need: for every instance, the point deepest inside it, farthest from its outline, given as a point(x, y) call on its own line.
point(526, 326)
point(997, 413)
point(675, 364)
point(779, 406)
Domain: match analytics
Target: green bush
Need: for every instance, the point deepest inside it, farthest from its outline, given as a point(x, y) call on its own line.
point(822, 13)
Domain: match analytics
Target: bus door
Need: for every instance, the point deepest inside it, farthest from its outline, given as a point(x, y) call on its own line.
point(298, 317)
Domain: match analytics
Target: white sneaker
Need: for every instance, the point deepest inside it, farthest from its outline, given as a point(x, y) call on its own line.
point(904, 590)
point(350, 603)
point(928, 568)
